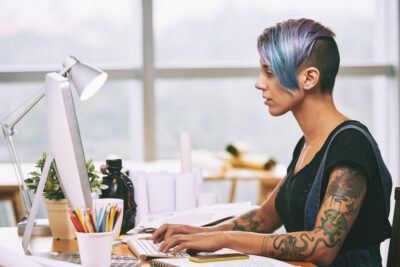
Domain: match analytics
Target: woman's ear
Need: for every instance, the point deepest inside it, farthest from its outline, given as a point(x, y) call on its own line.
point(309, 78)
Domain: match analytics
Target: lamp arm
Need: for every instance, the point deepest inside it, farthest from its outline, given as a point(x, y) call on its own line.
point(18, 172)
point(35, 101)
point(36, 202)
point(68, 64)
point(8, 130)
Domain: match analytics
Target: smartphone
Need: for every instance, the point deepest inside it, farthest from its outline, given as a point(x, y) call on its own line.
point(219, 257)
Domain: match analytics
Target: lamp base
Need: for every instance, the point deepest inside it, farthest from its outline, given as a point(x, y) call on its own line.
point(40, 227)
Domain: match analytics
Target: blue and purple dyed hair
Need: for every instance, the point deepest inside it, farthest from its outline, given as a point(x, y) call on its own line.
point(284, 47)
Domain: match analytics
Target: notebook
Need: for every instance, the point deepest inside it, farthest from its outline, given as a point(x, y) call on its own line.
point(253, 261)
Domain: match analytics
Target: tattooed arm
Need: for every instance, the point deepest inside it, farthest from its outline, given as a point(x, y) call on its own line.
point(342, 201)
point(264, 219)
point(344, 196)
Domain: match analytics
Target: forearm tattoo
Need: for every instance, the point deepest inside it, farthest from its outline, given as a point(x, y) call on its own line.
point(341, 205)
point(287, 247)
point(248, 222)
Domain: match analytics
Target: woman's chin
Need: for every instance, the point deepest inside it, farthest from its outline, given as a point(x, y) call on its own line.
point(276, 113)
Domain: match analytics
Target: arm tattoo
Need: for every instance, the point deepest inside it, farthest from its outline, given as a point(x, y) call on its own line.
point(347, 185)
point(249, 222)
point(342, 203)
point(289, 249)
point(264, 246)
point(333, 222)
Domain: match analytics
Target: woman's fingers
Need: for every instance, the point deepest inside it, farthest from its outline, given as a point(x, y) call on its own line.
point(201, 242)
point(158, 234)
point(165, 231)
point(170, 242)
point(182, 246)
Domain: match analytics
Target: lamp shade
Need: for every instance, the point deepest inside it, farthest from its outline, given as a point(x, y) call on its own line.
point(87, 79)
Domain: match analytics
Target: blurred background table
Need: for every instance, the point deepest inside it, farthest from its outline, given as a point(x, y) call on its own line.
point(9, 192)
point(267, 181)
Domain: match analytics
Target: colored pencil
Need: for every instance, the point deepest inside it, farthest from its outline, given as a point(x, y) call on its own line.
point(81, 220)
point(75, 221)
point(119, 213)
point(106, 218)
point(88, 224)
point(101, 222)
point(99, 217)
point(111, 222)
point(89, 213)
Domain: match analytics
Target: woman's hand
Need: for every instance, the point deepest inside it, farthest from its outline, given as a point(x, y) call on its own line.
point(199, 241)
point(165, 231)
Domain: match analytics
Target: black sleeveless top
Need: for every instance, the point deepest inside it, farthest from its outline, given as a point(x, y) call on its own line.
point(371, 226)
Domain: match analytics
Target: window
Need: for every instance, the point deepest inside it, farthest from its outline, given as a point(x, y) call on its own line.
point(41, 39)
point(205, 63)
point(226, 31)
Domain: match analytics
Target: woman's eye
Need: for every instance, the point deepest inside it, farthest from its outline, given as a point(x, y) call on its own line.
point(270, 73)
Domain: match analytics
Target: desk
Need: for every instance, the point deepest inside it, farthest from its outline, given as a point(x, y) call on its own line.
point(10, 239)
point(267, 181)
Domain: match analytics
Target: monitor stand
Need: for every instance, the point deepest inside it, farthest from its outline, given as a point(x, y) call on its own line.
point(40, 227)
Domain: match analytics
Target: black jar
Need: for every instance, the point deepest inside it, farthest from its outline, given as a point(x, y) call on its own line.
point(120, 186)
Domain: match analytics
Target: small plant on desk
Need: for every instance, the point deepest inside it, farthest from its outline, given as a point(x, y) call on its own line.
point(56, 205)
point(52, 188)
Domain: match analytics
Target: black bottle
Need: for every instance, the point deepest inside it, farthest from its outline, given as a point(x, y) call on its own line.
point(120, 186)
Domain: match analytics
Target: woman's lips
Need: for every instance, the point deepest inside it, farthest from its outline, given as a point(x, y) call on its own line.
point(268, 101)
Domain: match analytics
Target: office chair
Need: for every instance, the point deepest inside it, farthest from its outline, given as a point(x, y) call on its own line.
point(394, 246)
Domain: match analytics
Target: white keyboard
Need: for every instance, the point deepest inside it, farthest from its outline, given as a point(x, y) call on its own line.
point(147, 250)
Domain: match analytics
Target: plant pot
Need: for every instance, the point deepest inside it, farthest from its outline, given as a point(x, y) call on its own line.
point(60, 225)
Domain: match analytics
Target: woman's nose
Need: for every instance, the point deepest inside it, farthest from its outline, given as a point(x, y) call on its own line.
point(260, 84)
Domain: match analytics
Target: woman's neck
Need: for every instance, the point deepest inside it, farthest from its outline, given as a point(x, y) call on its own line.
point(317, 117)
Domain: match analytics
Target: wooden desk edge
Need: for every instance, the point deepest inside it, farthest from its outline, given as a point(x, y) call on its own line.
point(9, 238)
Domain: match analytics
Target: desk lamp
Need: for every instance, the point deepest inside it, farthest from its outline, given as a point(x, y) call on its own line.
point(87, 81)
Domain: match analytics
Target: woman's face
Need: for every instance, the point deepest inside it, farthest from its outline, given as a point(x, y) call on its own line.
point(277, 98)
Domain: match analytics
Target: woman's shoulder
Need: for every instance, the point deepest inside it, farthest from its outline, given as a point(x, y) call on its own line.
point(348, 134)
point(351, 145)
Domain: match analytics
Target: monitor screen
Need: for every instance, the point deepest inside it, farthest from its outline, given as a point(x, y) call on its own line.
point(65, 141)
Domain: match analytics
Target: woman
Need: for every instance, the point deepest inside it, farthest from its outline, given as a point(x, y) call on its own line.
point(334, 200)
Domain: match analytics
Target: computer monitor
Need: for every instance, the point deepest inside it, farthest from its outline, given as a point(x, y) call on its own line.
point(65, 149)
point(65, 141)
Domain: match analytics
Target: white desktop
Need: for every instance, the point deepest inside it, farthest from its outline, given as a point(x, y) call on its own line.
point(66, 149)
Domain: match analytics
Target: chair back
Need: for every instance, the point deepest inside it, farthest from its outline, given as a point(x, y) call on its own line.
point(394, 247)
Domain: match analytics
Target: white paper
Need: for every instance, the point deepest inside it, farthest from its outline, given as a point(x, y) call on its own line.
point(185, 191)
point(9, 258)
point(141, 198)
point(161, 192)
point(196, 217)
point(186, 150)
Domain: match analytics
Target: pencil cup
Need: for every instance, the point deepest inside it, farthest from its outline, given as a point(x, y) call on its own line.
point(104, 202)
point(95, 248)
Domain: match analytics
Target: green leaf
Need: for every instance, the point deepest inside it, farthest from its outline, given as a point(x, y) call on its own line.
point(52, 188)
point(28, 181)
point(103, 186)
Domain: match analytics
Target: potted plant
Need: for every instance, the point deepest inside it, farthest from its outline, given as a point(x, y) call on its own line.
point(57, 205)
